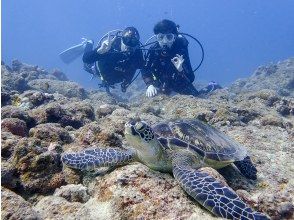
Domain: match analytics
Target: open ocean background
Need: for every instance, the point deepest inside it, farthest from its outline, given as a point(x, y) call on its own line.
point(238, 36)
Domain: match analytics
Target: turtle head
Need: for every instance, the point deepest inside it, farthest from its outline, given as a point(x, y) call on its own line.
point(141, 136)
point(144, 140)
point(138, 130)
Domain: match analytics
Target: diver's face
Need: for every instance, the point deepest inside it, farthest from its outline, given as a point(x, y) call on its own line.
point(165, 40)
point(126, 48)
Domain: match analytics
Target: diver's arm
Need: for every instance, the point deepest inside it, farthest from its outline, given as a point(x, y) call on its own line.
point(147, 77)
point(92, 56)
point(182, 50)
point(105, 51)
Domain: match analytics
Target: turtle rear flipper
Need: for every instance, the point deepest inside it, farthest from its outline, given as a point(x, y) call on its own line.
point(247, 168)
point(217, 198)
point(95, 158)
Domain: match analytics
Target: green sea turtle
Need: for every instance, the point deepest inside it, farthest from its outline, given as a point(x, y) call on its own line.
point(180, 147)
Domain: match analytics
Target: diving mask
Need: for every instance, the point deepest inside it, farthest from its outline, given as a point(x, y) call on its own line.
point(131, 37)
point(131, 41)
point(165, 39)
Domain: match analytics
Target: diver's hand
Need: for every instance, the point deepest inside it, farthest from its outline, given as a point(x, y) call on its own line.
point(178, 61)
point(85, 41)
point(106, 45)
point(151, 91)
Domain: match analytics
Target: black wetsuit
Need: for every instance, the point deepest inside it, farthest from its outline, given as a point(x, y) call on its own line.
point(116, 66)
point(161, 72)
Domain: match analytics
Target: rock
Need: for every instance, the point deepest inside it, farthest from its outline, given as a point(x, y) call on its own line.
point(9, 177)
point(37, 98)
point(12, 81)
point(15, 126)
point(261, 120)
point(99, 98)
point(279, 205)
point(54, 207)
point(245, 115)
point(89, 134)
point(72, 176)
point(18, 66)
point(225, 116)
point(271, 120)
point(15, 112)
point(49, 113)
point(59, 75)
point(81, 111)
point(8, 144)
point(50, 132)
point(39, 171)
point(135, 191)
point(66, 88)
point(73, 193)
point(104, 110)
point(130, 192)
point(278, 77)
point(74, 114)
point(285, 107)
point(5, 98)
point(93, 134)
point(14, 206)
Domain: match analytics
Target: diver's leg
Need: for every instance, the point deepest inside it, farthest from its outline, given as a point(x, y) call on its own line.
point(247, 168)
point(94, 158)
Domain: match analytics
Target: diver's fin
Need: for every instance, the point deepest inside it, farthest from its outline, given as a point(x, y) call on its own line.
point(72, 53)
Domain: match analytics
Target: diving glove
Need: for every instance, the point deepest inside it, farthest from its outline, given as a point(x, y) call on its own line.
point(106, 45)
point(151, 91)
point(178, 61)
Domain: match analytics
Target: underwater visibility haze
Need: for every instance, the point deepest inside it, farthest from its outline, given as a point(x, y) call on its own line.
point(238, 36)
point(198, 154)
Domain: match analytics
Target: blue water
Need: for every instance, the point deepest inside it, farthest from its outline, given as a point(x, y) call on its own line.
point(238, 36)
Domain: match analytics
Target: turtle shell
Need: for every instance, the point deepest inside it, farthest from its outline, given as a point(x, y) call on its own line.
point(200, 138)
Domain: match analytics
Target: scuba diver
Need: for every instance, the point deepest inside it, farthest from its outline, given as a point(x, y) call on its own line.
point(115, 60)
point(167, 67)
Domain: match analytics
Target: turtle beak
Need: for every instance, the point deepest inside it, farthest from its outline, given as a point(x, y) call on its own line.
point(130, 130)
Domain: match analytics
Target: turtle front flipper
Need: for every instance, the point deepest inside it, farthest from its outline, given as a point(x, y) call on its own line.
point(214, 196)
point(95, 158)
point(247, 168)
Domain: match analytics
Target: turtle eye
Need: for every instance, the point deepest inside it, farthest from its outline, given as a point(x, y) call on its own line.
point(139, 126)
point(133, 131)
point(132, 122)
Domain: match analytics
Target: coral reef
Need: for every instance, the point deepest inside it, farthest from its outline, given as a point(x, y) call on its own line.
point(44, 115)
point(14, 206)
